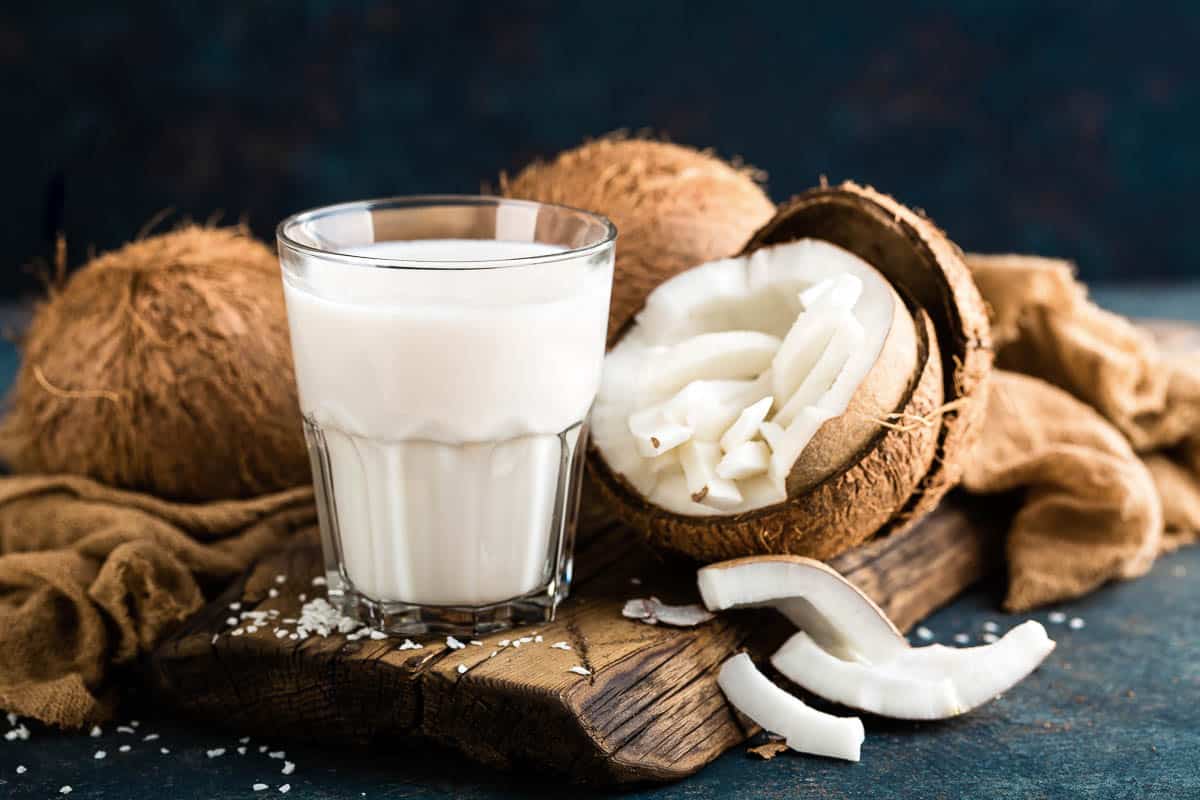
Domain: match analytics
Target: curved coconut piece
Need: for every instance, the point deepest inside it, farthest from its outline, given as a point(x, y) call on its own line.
point(932, 682)
point(849, 652)
point(850, 478)
point(922, 262)
point(805, 729)
point(674, 207)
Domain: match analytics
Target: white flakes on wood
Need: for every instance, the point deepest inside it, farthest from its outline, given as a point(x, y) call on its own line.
point(578, 670)
point(164, 751)
point(561, 646)
point(1076, 623)
point(237, 632)
point(538, 639)
point(216, 752)
point(476, 643)
point(241, 751)
point(251, 629)
point(652, 611)
point(319, 581)
point(991, 627)
point(12, 718)
point(961, 638)
point(321, 618)
point(924, 634)
point(280, 633)
point(125, 729)
point(277, 754)
point(258, 787)
point(377, 635)
point(493, 654)
point(96, 732)
point(99, 754)
point(150, 737)
point(235, 606)
point(124, 748)
point(462, 669)
point(65, 789)
point(215, 637)
point(281, 578)
point(21, 769)
point(409, 644)
point(1057, 617)
point(285, 788)
point(504, 642)
point(990, 637)
point(288, 768)
point(272, 593)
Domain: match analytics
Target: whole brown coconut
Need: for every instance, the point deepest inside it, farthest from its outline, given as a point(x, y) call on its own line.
point(164, 367)
point(674, 207)
point(903, 470)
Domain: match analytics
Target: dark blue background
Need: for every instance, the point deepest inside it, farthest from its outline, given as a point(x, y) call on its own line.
point(1063, 128)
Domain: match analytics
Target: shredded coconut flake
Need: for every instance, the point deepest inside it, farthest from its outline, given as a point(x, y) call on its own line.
point(961, 638)
point(96, 732)
point(258, 787)
point(409, 644)
point(990, 637)
point(20, 769)
point(319, 581)
point(377, 635)
point(1057, 617)
point(454, 644)
point(462, 669)
point(272, 593)
point(288, 768)
point(235, 606)
point(241, 751)
point(215, 752)
point(1076, 623)
point(125, 729)
point(561, 646)
point(285, 788)
point(164, 751)
point(150, 737)
point(124, 748)
point(281, 578)
point(580, 670)
point(100, 754)
point(65, 789)
point(924, 634)
point(277, 754)
point(991, 627)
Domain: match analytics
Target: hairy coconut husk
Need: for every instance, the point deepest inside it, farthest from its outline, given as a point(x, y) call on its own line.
point(917, 455)
point(923, 263)
point(674, 207)
point(164, 367)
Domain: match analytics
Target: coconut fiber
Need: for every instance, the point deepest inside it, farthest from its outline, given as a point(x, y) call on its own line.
point(1102, 431)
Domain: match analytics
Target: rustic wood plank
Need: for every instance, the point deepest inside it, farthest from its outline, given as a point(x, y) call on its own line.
point(650, 710)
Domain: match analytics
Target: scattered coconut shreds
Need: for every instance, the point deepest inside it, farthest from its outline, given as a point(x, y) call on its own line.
point(1076, 623)
point(990, 637)
point(215, 637)
point(12, 718)
point(258, 787)
point(237, 632)
point(768, 750)
point(961, 638)
point(150, 737)
point(262, 748)
point(280, 633)
point(652, 611)
point(288, 768)
point(924, 634)
point(96, 732)
point(99, 754)
point(134, 722)
point(377, 635)
point(124, 748)
point(580, 670)
point(538, 639)
point(281, 578)
point(636, 581)
point(991, 627)
point(66, 789)
point(462, 669)
point(285, 788)
point(272, 593)
point(475, 643)
point(1057, 617)
point(244, 740)
point(279, 755)
point(319, 617)
point(164, 751)
point(235, 606)
point(504, 642)
point(241, 751)
point(215, 752)
point(454, 644)
point(125, 729)
point(561, 646)
point(20, 769)
point(303, 597)
point(319, 581)
point(409, 644)
point(19, 732)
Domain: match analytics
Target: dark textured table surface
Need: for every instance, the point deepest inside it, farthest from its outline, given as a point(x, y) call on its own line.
point(1113, 713)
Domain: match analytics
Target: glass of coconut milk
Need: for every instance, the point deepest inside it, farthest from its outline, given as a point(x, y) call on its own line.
point(447, 352)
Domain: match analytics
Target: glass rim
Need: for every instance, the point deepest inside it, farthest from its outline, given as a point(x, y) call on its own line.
point(442, 265)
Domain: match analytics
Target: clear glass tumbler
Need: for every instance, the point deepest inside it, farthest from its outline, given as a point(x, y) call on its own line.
point(447, 352)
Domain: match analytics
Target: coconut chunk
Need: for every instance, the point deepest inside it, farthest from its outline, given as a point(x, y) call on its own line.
point(847, 338)
point(747, 425)
point(699, 461)
point(841, 291)
point(805, 729)
point(725, 354)
point(655, 435)
point(744, 461)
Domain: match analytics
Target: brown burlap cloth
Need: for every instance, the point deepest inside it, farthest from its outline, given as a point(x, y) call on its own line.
point(91, 577)
point(1105, 437)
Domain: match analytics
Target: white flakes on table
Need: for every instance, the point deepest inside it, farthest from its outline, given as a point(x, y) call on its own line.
point(21, 769)
point(99, 754)
point(235, 606)
point(538, 639)
point(281, 578)
point(319, 581)
point(561, 646)
point(134, 722)
point(150, 737)
point(462, 669)
point(241, 751)
point(409, 644)
point(1057, 617)
point(377, 635)
point(303, 597)
point(215, 637)
point(262, 748)
point(516, 643)
point(476, 643)
point(636, 581)
point(285, 788)
point(580, 670)
point(924, 634)
point(277, 754)
point(258, 787)
point(65, 789)
point(125, 729)
point(288, 768)
point(216, 752)
point(990, 638)
point(244, 740)
point(280, 633)
point(321, 618)
point(164, 751)
point(19, 732)
point(12, 718)
point(1076, 623)
point(251, 629)
point(124, 748)
point(652, 611)
point(525, 639)
point(293, 636)
point(272, 593)
point(991, 627)
point(961, 638)
point(493, 654)
point(96, 732)
point(237, 632)
point(504, 642)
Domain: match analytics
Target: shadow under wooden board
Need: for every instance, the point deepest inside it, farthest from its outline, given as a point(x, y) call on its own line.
point(650, 709)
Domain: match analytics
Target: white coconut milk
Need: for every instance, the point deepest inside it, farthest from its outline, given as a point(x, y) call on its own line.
point(442, 397)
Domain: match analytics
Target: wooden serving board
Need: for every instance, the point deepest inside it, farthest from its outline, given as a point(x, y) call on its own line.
point(649, 711)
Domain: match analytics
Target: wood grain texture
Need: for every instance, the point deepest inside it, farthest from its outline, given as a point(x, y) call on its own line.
point(649, 711)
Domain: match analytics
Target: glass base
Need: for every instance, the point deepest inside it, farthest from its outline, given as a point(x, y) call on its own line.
point(403, 619)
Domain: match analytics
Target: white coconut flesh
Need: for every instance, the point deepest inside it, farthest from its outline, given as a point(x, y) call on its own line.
point(848, 651)
point(712, 395)
point(773, 709)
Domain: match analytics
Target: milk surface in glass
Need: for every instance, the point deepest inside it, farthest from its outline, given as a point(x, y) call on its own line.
point(446, 400)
